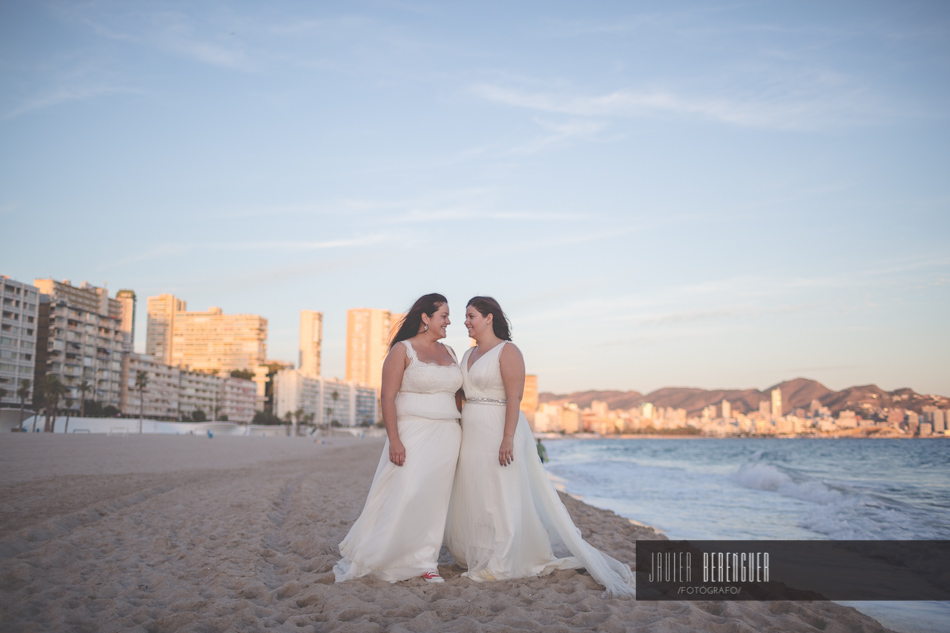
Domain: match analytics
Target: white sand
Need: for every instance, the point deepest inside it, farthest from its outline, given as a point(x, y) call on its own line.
point(153, 533)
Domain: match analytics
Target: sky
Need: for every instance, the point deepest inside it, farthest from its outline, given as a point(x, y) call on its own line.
point(703, 194)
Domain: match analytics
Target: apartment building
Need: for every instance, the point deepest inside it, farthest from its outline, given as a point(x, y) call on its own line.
point(18, 324)
point(161, 401)
point(331, 402)
point(126, 300)
point(172, 393)
point(311, 340)
point(159, 326)
point(368, 332)
point(218, 343)
point(80, 338)
point(210, 341)
point(529, 401)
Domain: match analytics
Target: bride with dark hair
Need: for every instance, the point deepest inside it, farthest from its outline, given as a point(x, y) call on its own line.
point(399, 533)
point(505, 518)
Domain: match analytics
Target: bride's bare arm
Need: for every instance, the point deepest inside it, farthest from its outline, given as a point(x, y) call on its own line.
point(393, 368)
point(512, 375)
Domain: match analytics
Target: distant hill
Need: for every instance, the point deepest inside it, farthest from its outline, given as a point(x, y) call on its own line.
point(797, 393)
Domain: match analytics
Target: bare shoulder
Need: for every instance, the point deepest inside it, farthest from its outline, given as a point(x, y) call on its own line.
point(511, 351)
point(397, 354)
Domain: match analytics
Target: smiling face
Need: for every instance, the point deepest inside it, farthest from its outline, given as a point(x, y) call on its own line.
point(439, 321)
point(476, 323)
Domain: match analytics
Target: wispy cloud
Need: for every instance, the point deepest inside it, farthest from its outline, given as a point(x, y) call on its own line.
point(66, 94)
point(278, 246)
point(473, 203)
point(792, 112)
point(557, 134)
point(174, 32)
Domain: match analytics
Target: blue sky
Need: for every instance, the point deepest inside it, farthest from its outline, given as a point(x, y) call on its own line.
point(659, 194)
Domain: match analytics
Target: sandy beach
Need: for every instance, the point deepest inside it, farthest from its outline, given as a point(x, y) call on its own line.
point(177, 533)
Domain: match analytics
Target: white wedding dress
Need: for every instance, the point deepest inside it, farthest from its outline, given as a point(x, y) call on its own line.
point(399, 533)
point(508, 521)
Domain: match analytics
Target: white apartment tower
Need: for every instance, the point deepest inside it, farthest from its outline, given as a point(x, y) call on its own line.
point(776, 403)
point(311, 338)
point(80, 340)
point(161, 322)
point(218, 343)
point(18, 323)
point(211, 341)
point(368, 333)
point(726, 410)
point(126, 299)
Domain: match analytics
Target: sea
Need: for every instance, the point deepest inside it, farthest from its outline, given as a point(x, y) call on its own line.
point(749, 489)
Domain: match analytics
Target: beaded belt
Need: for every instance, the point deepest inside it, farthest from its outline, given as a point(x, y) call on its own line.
point(487, 401)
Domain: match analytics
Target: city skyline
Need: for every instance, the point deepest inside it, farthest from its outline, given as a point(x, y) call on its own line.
point(708, 196)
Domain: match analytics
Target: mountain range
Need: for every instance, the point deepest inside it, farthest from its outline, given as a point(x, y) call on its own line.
point(866, 400)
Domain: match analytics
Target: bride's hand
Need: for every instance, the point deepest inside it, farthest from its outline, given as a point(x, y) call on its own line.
point(397, 453)
point(506, 454)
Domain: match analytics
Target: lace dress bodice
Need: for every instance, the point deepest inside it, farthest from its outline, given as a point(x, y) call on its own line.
point(428, 389)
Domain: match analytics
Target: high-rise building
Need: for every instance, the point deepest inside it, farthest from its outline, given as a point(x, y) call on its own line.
point(368, 333)
point(311, 337)
point(646, 410)
point(777, 403)
point(126, 299)
point(18, 324)
point(80, 340)
point(726, 410)
point(211, 341)
point(529, 401)
point(571, 419)
point(161, 322)
point(939, 421)
point(218, 343)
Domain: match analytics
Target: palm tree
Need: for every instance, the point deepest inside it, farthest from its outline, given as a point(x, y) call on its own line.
point(22, 393)
point(69, 406)
point(298, 418)
point(336, 396)
point(83, 387)
point(3, 393)
point(53, 391)
point(141, 382)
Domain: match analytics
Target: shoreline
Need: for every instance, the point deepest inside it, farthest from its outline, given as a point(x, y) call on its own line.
point(177, 532)
point(638, 436)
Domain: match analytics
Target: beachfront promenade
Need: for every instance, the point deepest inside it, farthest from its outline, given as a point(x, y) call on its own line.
point(170, 533)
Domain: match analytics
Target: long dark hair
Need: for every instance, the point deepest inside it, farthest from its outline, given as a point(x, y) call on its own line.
point(499, 324)
point(409, 326)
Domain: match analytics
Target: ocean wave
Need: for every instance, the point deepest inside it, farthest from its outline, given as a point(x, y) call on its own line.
point(759, 476)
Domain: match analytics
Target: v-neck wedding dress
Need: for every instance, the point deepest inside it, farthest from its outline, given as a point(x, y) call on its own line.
point(508, 521)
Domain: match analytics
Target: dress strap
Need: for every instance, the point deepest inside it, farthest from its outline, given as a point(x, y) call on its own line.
point(410, 351)
point(451, 353)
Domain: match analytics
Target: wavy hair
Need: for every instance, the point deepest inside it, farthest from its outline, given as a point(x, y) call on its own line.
point(500, 324)
point(409, 326)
